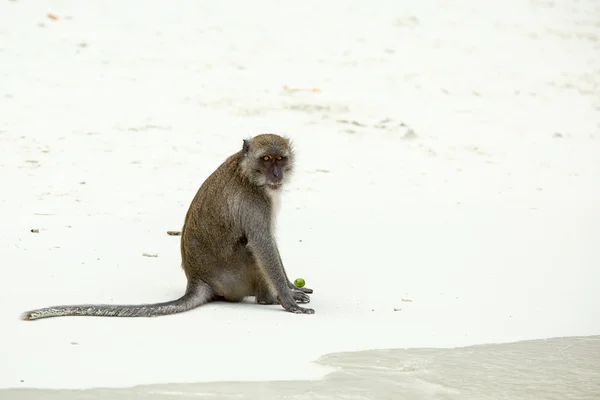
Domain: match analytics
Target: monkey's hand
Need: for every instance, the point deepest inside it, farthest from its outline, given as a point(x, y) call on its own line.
point(299, 310)
point(302, 289)
point(300, 297)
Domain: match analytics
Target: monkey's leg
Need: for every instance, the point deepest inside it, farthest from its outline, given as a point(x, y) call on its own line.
point(290, 284)
point(265, 299)
point(264, 295)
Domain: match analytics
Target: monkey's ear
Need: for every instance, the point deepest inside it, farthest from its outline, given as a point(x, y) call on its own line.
point(245, 147)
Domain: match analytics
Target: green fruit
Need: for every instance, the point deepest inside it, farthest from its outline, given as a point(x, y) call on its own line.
point(299, 282)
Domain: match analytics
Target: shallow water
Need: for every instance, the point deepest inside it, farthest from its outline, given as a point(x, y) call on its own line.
point(559, 368)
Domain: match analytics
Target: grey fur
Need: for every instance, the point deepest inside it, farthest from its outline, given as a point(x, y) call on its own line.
point(228, 247)
point(199, 295)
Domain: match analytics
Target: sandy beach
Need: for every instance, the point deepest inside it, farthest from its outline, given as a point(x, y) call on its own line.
point(554, 369)
point(447, 191)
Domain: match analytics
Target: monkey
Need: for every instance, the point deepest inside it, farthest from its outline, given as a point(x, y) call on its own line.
point(228, 246)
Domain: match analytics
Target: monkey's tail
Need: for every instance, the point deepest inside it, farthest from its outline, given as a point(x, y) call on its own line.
point(195, 296)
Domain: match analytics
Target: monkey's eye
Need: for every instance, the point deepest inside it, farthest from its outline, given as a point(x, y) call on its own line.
point(266, 158)
point(279, 158)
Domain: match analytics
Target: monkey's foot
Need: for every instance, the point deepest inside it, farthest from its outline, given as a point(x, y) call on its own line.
point(265, 298)
point(302, 289)
point(300, 297)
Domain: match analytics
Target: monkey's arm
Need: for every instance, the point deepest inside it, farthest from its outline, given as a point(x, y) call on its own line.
point(263, 246)
point(265, 251)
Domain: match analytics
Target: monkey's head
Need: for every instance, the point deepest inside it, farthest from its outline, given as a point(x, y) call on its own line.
point(267, 160)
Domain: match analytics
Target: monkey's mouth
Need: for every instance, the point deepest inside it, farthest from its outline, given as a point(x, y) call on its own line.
point(273, 185)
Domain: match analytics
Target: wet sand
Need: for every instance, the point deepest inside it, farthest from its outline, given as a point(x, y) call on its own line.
point(558, 368)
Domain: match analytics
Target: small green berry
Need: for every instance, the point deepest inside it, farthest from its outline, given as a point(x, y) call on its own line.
point(299, 282)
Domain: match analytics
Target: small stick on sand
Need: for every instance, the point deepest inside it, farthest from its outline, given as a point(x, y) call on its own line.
point(174, 233)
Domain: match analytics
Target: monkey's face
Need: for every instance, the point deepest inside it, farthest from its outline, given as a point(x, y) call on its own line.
point(268, 160)
point(273, 170)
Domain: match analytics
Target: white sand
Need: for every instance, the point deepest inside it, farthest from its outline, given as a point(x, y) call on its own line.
point(488, 220)
point(549, 369)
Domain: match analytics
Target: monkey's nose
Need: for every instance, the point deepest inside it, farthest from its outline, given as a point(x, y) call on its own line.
point(276, 172)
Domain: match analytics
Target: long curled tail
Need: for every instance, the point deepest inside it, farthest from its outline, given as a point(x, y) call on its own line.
point(195, 296)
